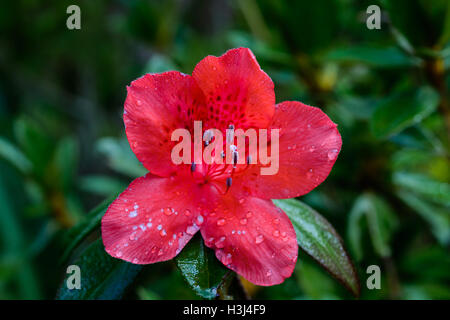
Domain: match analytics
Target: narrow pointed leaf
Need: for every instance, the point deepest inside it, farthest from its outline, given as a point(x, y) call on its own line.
point(102, 277)
point(317, 237)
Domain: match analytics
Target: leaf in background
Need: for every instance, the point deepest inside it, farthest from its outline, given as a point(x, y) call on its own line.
point(432, 189)
point(317, 237)
point(403, 110)
point(65, 162)
point(381, 223)
point(36, 145)
point(201, 269)
point(102, 277)
point(102, 185)
point(76, 234)
point(438, 219)
point(120, 157)
point(11, 153)
point(387, 57)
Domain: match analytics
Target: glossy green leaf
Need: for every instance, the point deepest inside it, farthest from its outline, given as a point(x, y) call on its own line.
point(317, 237)
point(102, 277)
point(403, 110)
point(75, 235)
point(201, 269)
point(388, 57)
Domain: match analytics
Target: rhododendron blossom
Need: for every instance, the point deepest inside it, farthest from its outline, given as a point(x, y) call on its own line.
point(229, 203)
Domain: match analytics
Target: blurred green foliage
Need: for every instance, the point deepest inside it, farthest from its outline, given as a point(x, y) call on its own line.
point(63, 148)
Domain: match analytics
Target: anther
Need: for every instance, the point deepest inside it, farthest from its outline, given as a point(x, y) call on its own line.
point(230, 134)
point(193, 167)
point(249, 159)
point(229, 181)
point(207, 136)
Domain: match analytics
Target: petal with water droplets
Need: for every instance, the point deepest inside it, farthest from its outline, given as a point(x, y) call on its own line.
point(309, 144)
point(252, 245)
point(139, 241)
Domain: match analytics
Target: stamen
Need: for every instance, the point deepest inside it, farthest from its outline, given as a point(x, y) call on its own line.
point(207, 136)
point(230, 134)
point(193, 167)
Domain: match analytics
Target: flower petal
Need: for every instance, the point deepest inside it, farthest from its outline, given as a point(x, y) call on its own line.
point(156, 105)
point(309, 144)
point(253, 238)
point(237, 91)
point(151, 221)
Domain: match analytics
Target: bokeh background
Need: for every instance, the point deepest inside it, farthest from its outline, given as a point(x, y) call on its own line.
point(63, 149)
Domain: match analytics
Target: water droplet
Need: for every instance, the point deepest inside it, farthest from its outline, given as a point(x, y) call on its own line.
point(249, 214)
point(119, 254)
point(332, 154)
point(227, 259)
point(241, 201)
point(276, 221)
point(159, 227)
point(309, 174)
point(268, 273)
point(160, 252)
point(163, 233)
point(192, 229)
point(259, 239)
point(220, 243)
point(168, 211)
point(133, 214)
point(149, 224)
point(276, 233)
point(187, 213)
point(200, 220)
point(220, 222)
point(243, 221)
point(312, 148)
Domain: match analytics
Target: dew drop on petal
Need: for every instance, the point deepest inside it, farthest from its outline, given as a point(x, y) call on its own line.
point(276, 233)
point(276, 221)
point(200, 220)
point(220, 243)
point(249, 214)
point(332, 154)
point(187, 213)
point(220, 222)
point(163, 233)
point(259, 239)
point(243, 221)
point(168, 211)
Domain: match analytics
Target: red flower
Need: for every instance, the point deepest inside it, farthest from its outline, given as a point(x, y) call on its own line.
point(154, 218)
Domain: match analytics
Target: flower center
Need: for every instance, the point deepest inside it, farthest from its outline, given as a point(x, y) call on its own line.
point(221, 174)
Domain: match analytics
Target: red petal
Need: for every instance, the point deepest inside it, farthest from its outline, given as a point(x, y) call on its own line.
point(151, 221)
point(252, 237)
point(237, 90)
point(156, 105)
point(308, 148)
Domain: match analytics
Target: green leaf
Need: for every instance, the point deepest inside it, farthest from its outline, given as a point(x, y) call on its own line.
point(432, 189)
point(437, 218)
point(120, 157)
point(102, 277)
point(11, 153)
point(201, 269)
point(317, 237)
point(381, 223)
point(382, 57)
point(102, 185)
point(403, 110)
point(76, 234)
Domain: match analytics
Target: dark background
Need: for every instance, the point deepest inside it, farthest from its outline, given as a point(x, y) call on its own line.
point(63, 148)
